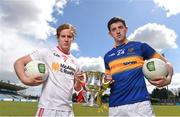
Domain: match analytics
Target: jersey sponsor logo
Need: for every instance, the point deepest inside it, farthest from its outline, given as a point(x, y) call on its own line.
point(55, 66)
point(59, 67)
point(125, 64)
point(64, 57)
point(130, 62)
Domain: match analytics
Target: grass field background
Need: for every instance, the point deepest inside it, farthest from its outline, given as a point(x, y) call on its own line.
point(29, 109)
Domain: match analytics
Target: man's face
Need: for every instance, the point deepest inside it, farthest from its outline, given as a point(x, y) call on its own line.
point(118, 32)
point(65, 39)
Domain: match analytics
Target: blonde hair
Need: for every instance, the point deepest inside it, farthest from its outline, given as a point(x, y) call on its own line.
point(66, 26)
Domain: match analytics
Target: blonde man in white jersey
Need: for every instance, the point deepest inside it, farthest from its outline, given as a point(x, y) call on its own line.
point(64, 75)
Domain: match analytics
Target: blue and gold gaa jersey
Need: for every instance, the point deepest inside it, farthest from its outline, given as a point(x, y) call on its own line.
point(124, 63)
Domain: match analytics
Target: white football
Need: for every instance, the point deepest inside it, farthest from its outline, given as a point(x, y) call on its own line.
point(154, 68)
point(36, 67)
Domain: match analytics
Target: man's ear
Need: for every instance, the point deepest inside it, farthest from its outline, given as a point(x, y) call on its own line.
point(126, 29)
point(57, 36)
point(110, 33)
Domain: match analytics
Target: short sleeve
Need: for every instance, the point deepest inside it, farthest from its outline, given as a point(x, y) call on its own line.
point(107, 69)
point(147, 51)
point(39, 54)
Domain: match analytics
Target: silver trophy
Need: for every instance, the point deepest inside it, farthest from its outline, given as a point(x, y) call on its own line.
point(93, 80)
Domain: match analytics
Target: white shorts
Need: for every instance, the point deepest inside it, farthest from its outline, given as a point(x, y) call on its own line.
point(132, 110)
point(42, 112)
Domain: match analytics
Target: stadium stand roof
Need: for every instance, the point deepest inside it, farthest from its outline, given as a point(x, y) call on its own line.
point(11, 86)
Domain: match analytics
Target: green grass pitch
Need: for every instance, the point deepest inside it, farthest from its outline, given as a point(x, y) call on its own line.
point(29, 109)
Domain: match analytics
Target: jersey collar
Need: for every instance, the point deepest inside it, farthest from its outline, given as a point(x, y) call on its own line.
point(125, 42)
point(62, 51)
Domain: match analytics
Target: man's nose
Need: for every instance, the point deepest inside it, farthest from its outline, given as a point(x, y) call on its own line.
point(66, 39)
point(118, 31)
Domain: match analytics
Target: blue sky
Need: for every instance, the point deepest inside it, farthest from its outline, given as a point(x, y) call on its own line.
point(29, 25)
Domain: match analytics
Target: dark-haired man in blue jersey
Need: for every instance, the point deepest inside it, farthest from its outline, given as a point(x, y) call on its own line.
point(123, 65)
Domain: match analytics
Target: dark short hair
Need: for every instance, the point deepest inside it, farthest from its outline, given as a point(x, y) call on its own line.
point(114, 20)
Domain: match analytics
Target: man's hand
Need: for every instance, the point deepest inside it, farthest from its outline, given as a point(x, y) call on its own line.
point(33, 81)
point(108, 79)
point(78, 79)
point(160, 82)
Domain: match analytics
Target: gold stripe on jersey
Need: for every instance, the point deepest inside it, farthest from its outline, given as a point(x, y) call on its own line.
point(124, 64)
point(107, 72)
point(156, 55)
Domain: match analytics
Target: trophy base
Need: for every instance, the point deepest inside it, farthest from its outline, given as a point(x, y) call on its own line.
point(91, 105)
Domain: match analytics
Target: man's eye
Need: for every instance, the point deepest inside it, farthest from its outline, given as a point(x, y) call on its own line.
point(62, 36)
point(113, 29)
point(120, 27)
point(69, 36)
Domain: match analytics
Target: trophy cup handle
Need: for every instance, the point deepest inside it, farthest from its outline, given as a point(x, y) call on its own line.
point(104, 85)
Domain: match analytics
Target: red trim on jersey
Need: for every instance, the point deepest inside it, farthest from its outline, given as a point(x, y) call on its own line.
point(65, 58)
point(62, 51)
point(80, 97)
point(41, 111)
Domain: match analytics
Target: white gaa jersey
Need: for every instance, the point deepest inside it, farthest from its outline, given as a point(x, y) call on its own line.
point(58, 89)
